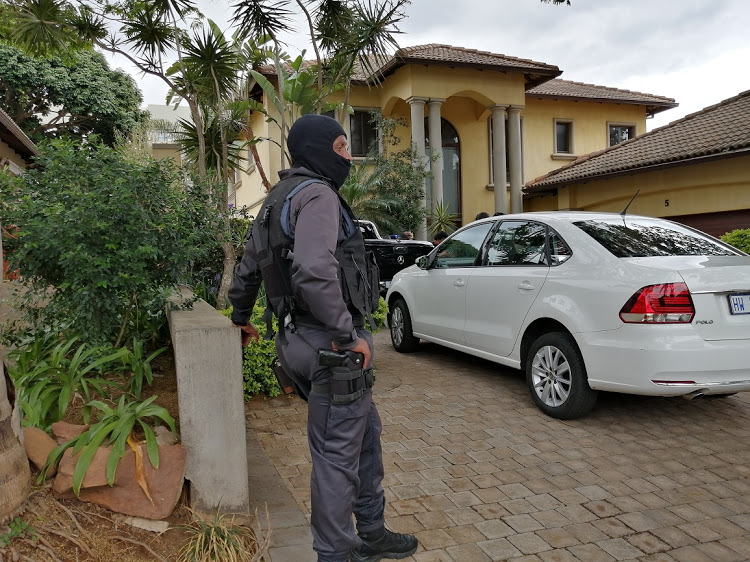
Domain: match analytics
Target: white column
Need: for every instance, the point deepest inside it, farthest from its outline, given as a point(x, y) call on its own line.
point(514, 153)
point(436, 152)
point(345, 119)
point(498, 158)
point(417, 139)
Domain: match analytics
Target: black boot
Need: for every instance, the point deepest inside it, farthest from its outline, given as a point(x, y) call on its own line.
point(383, 543)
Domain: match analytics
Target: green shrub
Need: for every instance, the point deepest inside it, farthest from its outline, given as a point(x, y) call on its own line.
point(99, 236)
point(740, 239)
point(379, 315)
point(257, 375)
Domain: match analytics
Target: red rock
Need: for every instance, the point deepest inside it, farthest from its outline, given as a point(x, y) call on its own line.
point(38, 446)
point(126, 496)
point(64, 431)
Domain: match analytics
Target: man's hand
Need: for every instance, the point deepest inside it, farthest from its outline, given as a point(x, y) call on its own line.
point(248, 333)
point(362, 348)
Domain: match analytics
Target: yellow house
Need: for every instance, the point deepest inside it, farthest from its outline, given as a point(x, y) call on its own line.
point(482, 116)
point(695, 170)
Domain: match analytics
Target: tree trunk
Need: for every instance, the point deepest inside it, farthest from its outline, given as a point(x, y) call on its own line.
point(14, 466)
point(230, 260)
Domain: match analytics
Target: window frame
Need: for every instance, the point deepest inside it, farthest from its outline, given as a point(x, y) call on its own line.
point(445, 245)
point(632, 133)
point(363, 113)
point(545, 261)
point(571, 137)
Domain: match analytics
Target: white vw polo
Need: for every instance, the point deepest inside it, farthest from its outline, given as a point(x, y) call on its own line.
point(584, 302)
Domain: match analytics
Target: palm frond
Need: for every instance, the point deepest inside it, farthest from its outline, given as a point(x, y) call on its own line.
point(258, 19)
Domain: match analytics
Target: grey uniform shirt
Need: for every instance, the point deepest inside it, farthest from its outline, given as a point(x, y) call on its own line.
point(314, 221)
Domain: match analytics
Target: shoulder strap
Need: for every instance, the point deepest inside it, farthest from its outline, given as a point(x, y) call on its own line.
point(285, 222)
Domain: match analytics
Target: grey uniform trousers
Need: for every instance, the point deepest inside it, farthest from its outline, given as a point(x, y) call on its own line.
point(344, 439)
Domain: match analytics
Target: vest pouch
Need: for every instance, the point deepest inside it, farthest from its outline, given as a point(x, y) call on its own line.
point(359, 283)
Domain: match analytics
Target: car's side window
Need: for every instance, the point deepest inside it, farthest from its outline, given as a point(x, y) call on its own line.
point(462, 249)
point(517, 243)
point(558, 249)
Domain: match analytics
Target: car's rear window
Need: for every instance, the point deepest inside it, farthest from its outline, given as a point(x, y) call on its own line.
point(631, 238)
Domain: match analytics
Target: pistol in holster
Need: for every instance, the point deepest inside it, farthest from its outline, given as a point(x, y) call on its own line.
point(349, 379)
point(286, 384)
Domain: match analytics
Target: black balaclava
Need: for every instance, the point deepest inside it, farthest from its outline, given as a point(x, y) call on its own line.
point(310, 144)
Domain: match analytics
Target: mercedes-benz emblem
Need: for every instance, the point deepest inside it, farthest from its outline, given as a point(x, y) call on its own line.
point(400, 260)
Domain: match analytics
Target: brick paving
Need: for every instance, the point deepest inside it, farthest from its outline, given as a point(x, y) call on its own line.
point(478, 473)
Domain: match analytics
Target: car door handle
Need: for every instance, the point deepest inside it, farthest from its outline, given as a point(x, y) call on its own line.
point(525, 286)
point(459, 283)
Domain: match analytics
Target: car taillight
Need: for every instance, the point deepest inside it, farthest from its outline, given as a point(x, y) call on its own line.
point(669, 303)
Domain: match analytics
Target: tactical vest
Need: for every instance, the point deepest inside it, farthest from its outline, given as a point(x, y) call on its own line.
point(358, 272)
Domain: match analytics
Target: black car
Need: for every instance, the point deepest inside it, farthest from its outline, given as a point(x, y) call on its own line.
point(391, 254)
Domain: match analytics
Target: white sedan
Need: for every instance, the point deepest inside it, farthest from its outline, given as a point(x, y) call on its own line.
point(584, 302)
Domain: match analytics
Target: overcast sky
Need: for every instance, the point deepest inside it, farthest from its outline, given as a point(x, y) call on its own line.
point(695, 51)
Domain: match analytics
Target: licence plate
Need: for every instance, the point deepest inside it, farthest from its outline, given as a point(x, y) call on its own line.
point(387, 284)
point(739, 304)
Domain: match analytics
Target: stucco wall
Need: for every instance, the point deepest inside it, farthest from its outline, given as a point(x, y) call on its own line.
point(590, 129)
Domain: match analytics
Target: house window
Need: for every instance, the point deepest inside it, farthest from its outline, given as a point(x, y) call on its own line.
point(620, 133)
point(363, 132)
point(563, 136)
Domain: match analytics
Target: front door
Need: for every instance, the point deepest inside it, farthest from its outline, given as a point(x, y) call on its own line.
point(440, 309)
point(502, 290)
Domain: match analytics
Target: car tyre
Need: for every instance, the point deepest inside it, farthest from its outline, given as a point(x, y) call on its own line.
point(556, 377)
point(402, 337)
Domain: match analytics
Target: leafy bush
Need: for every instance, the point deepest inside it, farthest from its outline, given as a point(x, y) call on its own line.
point(379, 315)
point(387, 187)
point(204, 275)
point(257, 357)
point(100, 235)
point(740, 239)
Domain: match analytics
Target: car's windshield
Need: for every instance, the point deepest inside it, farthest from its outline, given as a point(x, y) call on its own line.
point(630, 237)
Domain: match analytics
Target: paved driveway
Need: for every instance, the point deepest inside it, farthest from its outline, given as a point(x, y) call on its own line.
point(478, 473)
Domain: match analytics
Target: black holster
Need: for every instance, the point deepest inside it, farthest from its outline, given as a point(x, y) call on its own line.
point(286, 384)
point(348, 378)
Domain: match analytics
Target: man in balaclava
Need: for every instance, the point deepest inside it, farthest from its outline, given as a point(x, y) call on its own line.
point(322, 285)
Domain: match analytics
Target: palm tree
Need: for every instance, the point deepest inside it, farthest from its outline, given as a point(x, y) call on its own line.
point(363, 194)
point(342, 34)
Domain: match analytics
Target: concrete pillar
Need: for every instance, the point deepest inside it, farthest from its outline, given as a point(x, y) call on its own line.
point(514, 153)
point(436, 152)
point(498, 158)
point(417, 139)
point(208, 362)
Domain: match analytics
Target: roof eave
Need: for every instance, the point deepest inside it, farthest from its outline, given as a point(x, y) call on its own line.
point(16, 138)
point(534, 190)
point(652, 107)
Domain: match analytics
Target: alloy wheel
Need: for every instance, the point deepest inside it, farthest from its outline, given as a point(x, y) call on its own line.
point(397, 326)
point(551, 376)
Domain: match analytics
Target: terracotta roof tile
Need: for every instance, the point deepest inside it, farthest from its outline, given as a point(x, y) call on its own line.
point(557, 88)
point(450, 54)
point(718, 130)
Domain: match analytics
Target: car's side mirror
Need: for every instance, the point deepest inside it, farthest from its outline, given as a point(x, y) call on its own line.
point(422, 262)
